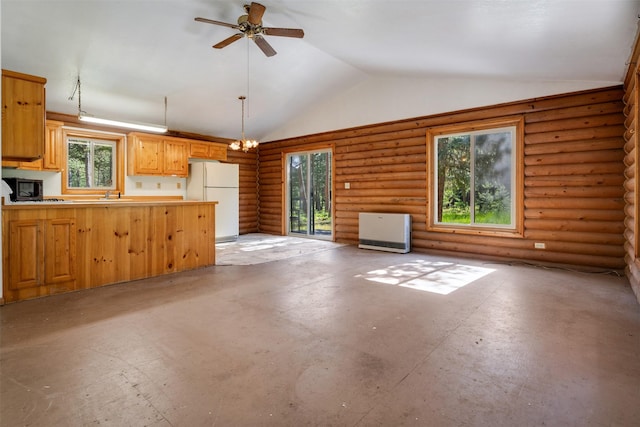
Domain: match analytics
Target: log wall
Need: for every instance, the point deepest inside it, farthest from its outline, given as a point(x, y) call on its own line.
point(573, 179)
point(632, 106)
point(248, 188)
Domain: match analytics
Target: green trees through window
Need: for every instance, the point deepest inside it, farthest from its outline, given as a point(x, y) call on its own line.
point(309, 192)
point(90, 164)
point(475, 177)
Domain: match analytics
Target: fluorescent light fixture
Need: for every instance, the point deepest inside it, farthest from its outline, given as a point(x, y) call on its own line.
point(128, 125)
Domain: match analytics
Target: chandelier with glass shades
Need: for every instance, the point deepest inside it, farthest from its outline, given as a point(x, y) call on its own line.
point(243, 143)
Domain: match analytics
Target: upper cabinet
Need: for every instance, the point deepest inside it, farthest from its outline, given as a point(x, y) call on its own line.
point(176, 162)
point(207, 150)
point(156, 155)
point(149, 154)
point(23, 116)
point(53, 151)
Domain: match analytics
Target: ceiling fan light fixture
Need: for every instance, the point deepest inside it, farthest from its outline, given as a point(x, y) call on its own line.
point(250, 26)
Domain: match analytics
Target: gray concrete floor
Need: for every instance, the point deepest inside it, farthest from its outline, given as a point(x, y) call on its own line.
point(344, 337)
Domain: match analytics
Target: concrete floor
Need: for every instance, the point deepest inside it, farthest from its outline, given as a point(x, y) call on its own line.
point(344, 337)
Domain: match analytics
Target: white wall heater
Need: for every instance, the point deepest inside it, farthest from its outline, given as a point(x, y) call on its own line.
point(385, 232)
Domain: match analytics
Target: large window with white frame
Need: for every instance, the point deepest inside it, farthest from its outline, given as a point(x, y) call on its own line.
point(475, 177)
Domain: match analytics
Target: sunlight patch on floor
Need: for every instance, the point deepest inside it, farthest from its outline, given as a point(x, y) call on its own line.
point(259, 245)
point(431, 276)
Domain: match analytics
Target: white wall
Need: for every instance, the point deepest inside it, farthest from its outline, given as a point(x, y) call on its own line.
point(377, 100)
point(133, 185)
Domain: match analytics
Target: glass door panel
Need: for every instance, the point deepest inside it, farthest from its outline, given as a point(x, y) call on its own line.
point(309, 194)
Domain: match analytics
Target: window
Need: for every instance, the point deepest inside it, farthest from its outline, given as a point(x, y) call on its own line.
point(93, 162)
point(475, 178)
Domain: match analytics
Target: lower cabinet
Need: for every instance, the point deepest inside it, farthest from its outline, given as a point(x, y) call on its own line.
point(41, 255)
point(68, 247)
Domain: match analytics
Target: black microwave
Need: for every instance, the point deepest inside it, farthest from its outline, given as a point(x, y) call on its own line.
point(24, 190)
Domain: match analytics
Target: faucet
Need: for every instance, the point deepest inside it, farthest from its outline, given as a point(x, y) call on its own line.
point(107, 194)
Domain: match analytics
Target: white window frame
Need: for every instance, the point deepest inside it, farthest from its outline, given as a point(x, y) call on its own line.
point(91, 142)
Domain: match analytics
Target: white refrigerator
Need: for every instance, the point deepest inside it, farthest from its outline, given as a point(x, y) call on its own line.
point(213, 181)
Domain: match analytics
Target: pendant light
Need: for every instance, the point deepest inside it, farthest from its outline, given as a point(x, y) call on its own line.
point(243, 143)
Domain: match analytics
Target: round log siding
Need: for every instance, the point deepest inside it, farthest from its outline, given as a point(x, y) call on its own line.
point(573, 189)
point(631, 105)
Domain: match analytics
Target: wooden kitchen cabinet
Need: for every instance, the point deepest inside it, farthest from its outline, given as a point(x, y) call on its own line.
point(54, 146)
point(176, 162)
point(23, 116)
point(156, 155)
point(56, 248)
point(40, 257)
point(53, 151)
point(207, 150)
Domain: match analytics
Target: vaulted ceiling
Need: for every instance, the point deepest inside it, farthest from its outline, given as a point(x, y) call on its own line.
point(360, 62)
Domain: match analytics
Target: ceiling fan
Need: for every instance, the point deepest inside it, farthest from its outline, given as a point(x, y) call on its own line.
point(250, 25)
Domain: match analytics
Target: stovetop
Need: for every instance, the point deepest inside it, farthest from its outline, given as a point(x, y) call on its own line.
point(43, 201)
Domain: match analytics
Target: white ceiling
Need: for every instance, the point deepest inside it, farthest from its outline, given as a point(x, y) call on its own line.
point(363, 61)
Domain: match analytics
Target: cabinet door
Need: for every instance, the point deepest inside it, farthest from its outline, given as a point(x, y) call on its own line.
point(53, 151)
point(175, 158)
point(147, 155)
point(23, 116)
point(27, 249)
point(218, 151)
point(60, 251)
point(53, 146)
point(198, 150)
point(207, 150)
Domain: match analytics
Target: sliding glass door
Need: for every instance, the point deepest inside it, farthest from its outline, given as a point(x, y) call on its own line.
point(309, 194)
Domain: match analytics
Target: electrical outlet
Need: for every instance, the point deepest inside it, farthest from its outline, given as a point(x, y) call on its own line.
point(539, 245)
point(178, 185)
point(138, 184)
point(158, 186)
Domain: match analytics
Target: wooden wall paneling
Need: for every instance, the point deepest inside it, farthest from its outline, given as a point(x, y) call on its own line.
point(631, 101)
point(573, 196)
point(248, 170)
point(571, 169)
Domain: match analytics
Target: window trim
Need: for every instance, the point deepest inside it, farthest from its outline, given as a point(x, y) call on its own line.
point(517, 230)
point(119, 140)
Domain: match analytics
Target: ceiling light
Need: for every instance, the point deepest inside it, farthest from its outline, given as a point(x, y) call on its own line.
point(128, 125)
point(84, 117)
point(243, 143)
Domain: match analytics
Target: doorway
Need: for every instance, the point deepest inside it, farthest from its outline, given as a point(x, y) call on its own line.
point(309, 194)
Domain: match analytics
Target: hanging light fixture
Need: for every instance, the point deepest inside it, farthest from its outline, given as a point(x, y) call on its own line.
point(243, 143)
point(84, 117)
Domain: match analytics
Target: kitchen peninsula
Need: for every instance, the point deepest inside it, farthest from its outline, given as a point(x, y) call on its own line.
point(62, 247)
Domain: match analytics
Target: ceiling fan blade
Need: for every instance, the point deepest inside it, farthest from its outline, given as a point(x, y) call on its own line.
point(228, 41)
point(264, 45)
point(283, 32)
point(256, 10)
point(211, 21)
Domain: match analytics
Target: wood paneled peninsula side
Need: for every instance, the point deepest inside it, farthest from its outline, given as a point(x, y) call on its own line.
point(56, 248)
